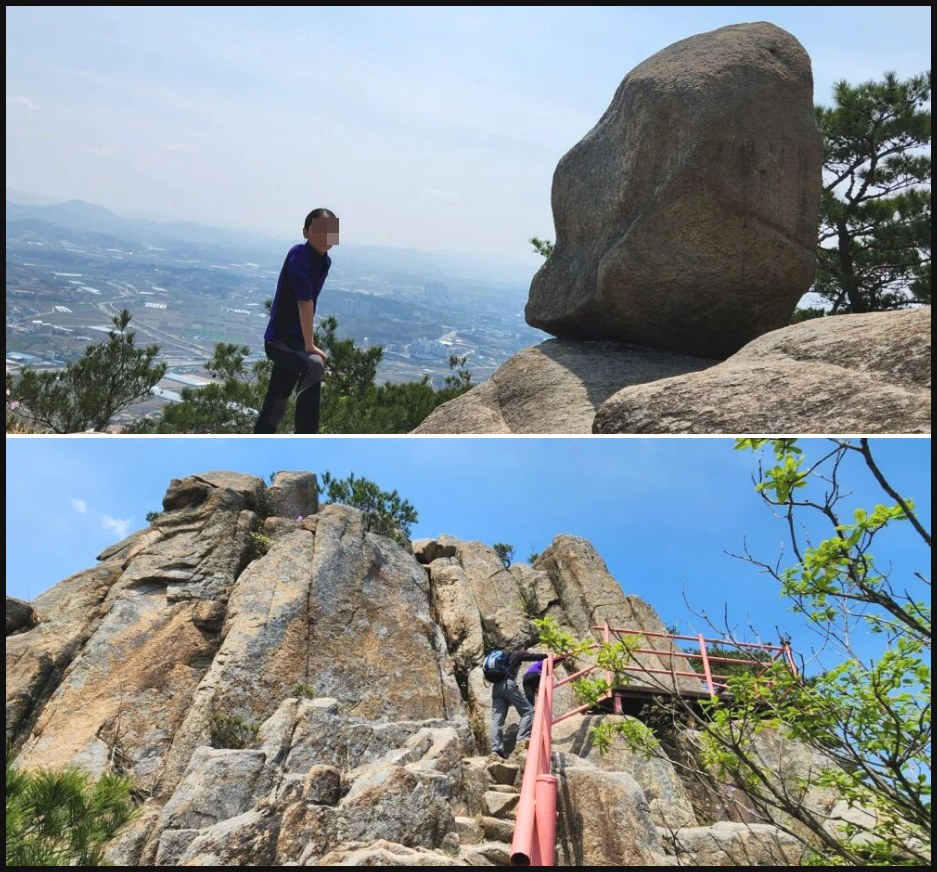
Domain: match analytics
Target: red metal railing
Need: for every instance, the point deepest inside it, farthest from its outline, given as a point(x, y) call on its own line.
point(535, 828)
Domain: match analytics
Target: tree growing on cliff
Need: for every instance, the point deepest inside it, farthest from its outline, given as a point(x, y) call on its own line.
point(63, 818)
point(505, 553)
point(542, 246)
point(89, 392)
point(866, 721)
point(868, 715)
point(875, 213)
point(383, 512)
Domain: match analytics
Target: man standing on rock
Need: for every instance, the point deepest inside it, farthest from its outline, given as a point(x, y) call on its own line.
point(289, 340)
point(504, 694)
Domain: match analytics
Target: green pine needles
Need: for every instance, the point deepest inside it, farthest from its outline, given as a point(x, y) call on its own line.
point(383, 512)
point(63, 818)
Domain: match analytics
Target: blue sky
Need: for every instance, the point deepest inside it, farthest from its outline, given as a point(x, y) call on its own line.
point(662, 512)
point(434, 128)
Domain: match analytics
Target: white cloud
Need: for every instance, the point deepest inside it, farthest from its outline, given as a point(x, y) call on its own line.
point(119, 525)
point(25, 102)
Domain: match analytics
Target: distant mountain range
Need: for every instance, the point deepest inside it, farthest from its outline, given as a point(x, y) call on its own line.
point(88, 220)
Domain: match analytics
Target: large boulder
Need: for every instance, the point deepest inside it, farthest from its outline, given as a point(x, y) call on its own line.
point(686, 218)
point(846, 374)
point(555, 387)
point(604, 820)
point(21, 616)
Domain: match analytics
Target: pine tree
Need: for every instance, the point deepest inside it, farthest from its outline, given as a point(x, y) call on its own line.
point(505, 553)
point(351, 401)
point(383, 512)
point(875, 215)
point(63, 818)
point(227, 405)
point(88, 393)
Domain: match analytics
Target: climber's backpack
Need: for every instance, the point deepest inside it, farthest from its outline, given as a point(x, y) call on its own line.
point(495, 665)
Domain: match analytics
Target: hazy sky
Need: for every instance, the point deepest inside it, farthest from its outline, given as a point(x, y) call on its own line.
point(431, 128)
point(662, 512)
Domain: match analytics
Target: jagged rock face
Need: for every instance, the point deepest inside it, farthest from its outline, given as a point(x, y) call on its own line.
point(604, 819)
point(668, 802)
point(271, 806)
point(686, 218)
point(591, 597)
point(126, 638)
point(287, 689)
point(735, 844)
point(867, 373)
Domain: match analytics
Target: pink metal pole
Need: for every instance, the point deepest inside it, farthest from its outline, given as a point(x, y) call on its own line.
point(525, 847)
point(522, 845)
point(616, 701)
point(608, 638)
point(546, 819)
point(709, 675)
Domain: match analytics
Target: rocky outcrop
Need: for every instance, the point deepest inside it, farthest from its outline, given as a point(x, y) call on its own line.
point(605, 820)
point(735, 844)
point(846, 374)
point(555, 387)
point(20, 616)
point(103, 648)
point(286, 688)
point(591, 597)
point(668, 802)
point(686, 218)
point(849, 374)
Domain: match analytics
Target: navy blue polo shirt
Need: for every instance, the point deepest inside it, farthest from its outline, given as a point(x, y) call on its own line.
point(303, 274)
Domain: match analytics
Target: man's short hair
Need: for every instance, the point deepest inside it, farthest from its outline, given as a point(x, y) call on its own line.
point(318, 213)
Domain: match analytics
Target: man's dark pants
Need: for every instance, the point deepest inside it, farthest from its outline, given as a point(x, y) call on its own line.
point(293, 368)
point(532, 687)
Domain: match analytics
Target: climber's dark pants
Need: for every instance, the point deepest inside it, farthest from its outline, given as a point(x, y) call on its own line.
point(292, 368)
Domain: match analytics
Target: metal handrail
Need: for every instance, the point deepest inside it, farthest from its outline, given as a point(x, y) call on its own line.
point(534, 842)
point(535, 828)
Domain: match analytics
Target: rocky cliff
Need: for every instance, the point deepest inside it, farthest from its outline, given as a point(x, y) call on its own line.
point(287, 688)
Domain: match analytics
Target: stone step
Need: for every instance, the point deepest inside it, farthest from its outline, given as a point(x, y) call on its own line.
point(469, 830)
point(499, 804)
point(503, 772)
point(497, 830)
point(488, 854)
